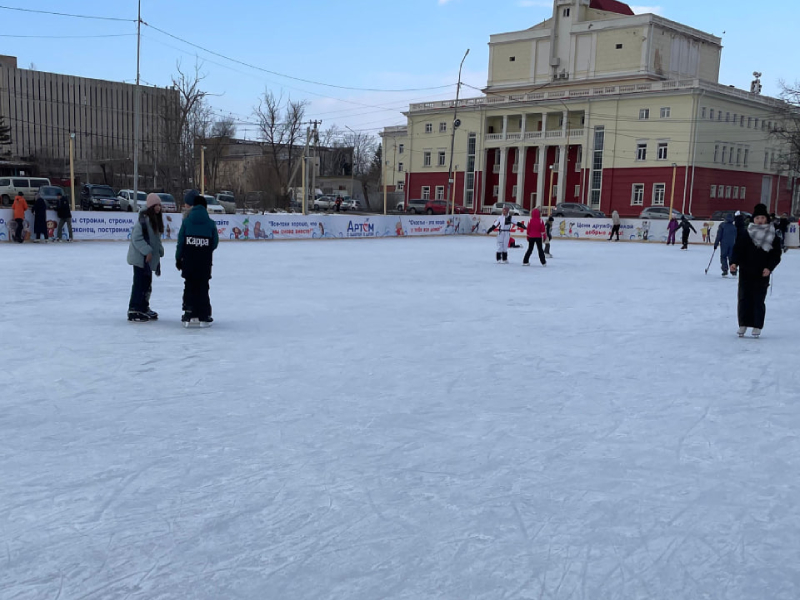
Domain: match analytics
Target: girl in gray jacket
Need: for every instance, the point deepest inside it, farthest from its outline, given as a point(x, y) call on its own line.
point(144, 254)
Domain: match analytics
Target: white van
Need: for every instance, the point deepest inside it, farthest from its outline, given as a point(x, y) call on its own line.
point(9, 186)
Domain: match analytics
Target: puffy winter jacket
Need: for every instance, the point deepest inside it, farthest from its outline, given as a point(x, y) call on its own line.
point(139, 248)
point(197, 240)
point(20, 206)
point(752, 260)
point(536, 228)
point(726, 235)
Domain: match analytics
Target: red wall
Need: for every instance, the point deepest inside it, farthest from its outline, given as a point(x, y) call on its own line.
point(418, 180)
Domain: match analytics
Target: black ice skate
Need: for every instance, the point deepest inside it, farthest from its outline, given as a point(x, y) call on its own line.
point(136, 316)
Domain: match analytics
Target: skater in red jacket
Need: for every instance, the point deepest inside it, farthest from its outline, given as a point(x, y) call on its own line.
point(536, 231)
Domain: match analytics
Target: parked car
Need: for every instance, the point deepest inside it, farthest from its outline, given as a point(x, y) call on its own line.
point(440, 207)
point(227, 201)
point(98, 197)
point(9, 186)
point(168, 203)
point(126, 202)
point(400, 207)
point(661, 212)
point(719, 215)
point(49, 193)
point(356, 204)
point(416, 206)
point(513, 209)
point(574, 209)
point(324, 202)
point(214, 207)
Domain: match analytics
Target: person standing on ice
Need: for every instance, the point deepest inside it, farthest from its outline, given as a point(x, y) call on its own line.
point(757, 252)
point(536, 231)
point(144, 255)
point(726, 238)
point(40, 219)
point(548, 227)
point(616, 224)
point(672, 229)
point(686, 226)
point(197, 240)
point(503, 224)
point(20, 206)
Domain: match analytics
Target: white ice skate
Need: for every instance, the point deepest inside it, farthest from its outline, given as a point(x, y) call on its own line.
point(756, 332)
point(741, 331)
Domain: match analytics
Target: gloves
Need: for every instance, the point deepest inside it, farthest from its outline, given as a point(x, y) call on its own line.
point(179, 264)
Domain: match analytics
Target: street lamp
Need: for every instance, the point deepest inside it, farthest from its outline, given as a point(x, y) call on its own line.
point(672, 192)
point(202, 170)
point(352, 164)
point(550, 193)
point(456, 123)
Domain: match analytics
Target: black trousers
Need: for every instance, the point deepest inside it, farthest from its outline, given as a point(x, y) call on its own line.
point(195, 298)
point(752, 306)
point(614, 229)
point(685, 240)
point(142, 286)
point(20, 229)
point(531, 243)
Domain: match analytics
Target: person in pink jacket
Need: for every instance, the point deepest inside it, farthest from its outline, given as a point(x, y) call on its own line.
point(536, 231)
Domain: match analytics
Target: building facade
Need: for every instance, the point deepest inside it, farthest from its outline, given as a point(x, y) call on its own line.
point(43, 109)
point(599, 106)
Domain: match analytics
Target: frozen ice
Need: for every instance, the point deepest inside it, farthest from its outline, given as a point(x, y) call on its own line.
point(397, 419)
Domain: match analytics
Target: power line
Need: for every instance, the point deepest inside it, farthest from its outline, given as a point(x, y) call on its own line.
point(251, 66)
point(60, 14)
point(61, 37)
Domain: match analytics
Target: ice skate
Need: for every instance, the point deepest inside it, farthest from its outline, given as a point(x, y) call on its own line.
point(741, 331)
point(152, 314)
point(526, 264)
point(724, 273)
point(548, 255)
point(756, 332)
point(136, 316)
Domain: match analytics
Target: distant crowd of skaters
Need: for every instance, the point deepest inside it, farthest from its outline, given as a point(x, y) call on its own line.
point(752, 250)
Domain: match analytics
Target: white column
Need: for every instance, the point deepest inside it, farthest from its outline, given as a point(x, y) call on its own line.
point(565, 123)
point(562, 174)
point(521, 173)
point(505, 126)
point(502, 183)
point(541, 183)
point(544, 123)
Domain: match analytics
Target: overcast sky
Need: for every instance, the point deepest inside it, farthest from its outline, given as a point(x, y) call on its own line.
point(413, 45)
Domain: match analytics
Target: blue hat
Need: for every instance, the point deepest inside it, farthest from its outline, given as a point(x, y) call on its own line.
point(188, 199)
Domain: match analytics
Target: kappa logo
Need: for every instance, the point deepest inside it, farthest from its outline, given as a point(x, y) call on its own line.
point(197, 241)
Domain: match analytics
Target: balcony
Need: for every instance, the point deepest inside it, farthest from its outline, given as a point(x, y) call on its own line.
point(533, 135)
point(496, 169)
point(552, 134)
point(513, 136)
point(494, 137)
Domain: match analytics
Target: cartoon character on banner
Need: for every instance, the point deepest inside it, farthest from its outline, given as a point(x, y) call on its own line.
point(236, 233)
point(706, 232)
point(398, 229)
point(246, 226)
point(449, 228)
point(51, 228)
point(562, 228)
point(571, 223)
point(260, 233)
point(168, 228)
point(4, 230)
point(645, 230)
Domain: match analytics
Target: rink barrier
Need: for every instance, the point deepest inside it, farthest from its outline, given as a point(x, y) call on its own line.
point(286, 226)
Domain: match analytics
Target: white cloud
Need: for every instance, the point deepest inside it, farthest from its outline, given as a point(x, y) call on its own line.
point(640, 10)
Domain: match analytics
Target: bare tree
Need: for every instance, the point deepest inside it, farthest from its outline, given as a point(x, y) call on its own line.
point(280, 124)
point(788, 132)
point(364, 147)
point(221, 134)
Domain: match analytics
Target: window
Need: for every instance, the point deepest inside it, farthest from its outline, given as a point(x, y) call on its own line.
point(443, 127)
point(735, 118)
point(755, 123)
point(596, 181)
point(495, 191)
point(711, 114)
point(637, 195)
point(727, 117)
point(401, 148)
point(730, 159)
point(513, 191)
point(644, 114)
point(727, 191)
point(659, 191)
point(749, 122)
point(440, 192)
point(426, 158)
point(713, 191)
point(724, 154)
point(512, 58)
point(440, 161)
point(736, 192)
point(426, 192)
point(742, 192)
point(716, 152)
point(533, 198)
point(746, 156)
point(428, 127)
point(400, 167)
point(401, 185)
point(565, 12)
point(738, 157)
point(719, 115)
point(578, 191)
point(619, 46)
point(741, 121)
point(555, 191)
point(641, 151)
point(665, 112)
point(766, 160)
point(662, 150)
point(703, 113)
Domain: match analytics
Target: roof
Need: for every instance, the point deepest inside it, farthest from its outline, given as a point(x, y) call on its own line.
point(612, 6)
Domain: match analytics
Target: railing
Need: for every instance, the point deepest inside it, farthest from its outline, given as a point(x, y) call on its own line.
point(533, 135)
point(535, 167)
point(496, 169)
point(513, 136)
point(552, 134)
point(494, 137)
point(515, 168)
point(576, 133)
point(608, 90)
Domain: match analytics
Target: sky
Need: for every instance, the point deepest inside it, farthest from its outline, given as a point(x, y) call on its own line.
point(414, 46)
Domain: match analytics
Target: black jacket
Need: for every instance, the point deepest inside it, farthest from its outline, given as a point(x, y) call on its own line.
point(753, 260)
point(686, 226)
point(62, 209)
point(40, 216)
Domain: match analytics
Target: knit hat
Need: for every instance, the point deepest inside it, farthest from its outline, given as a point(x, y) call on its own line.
point(760, 210)
point(152, 200)
point(188, 199)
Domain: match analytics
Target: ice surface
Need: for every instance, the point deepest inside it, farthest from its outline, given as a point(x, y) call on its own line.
point(397, 419)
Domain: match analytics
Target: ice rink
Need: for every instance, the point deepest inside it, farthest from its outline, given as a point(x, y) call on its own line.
point(398, 419)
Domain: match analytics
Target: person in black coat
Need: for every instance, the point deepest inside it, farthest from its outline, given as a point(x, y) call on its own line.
point(40, 218)
point(685, 227)
point(64, 216)
point(756, 253)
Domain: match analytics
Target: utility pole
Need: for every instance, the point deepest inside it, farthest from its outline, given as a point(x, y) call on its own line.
point(456, 123)
point(72, 169)
point(314, 157)
point(672, 192)
point(137, 117)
